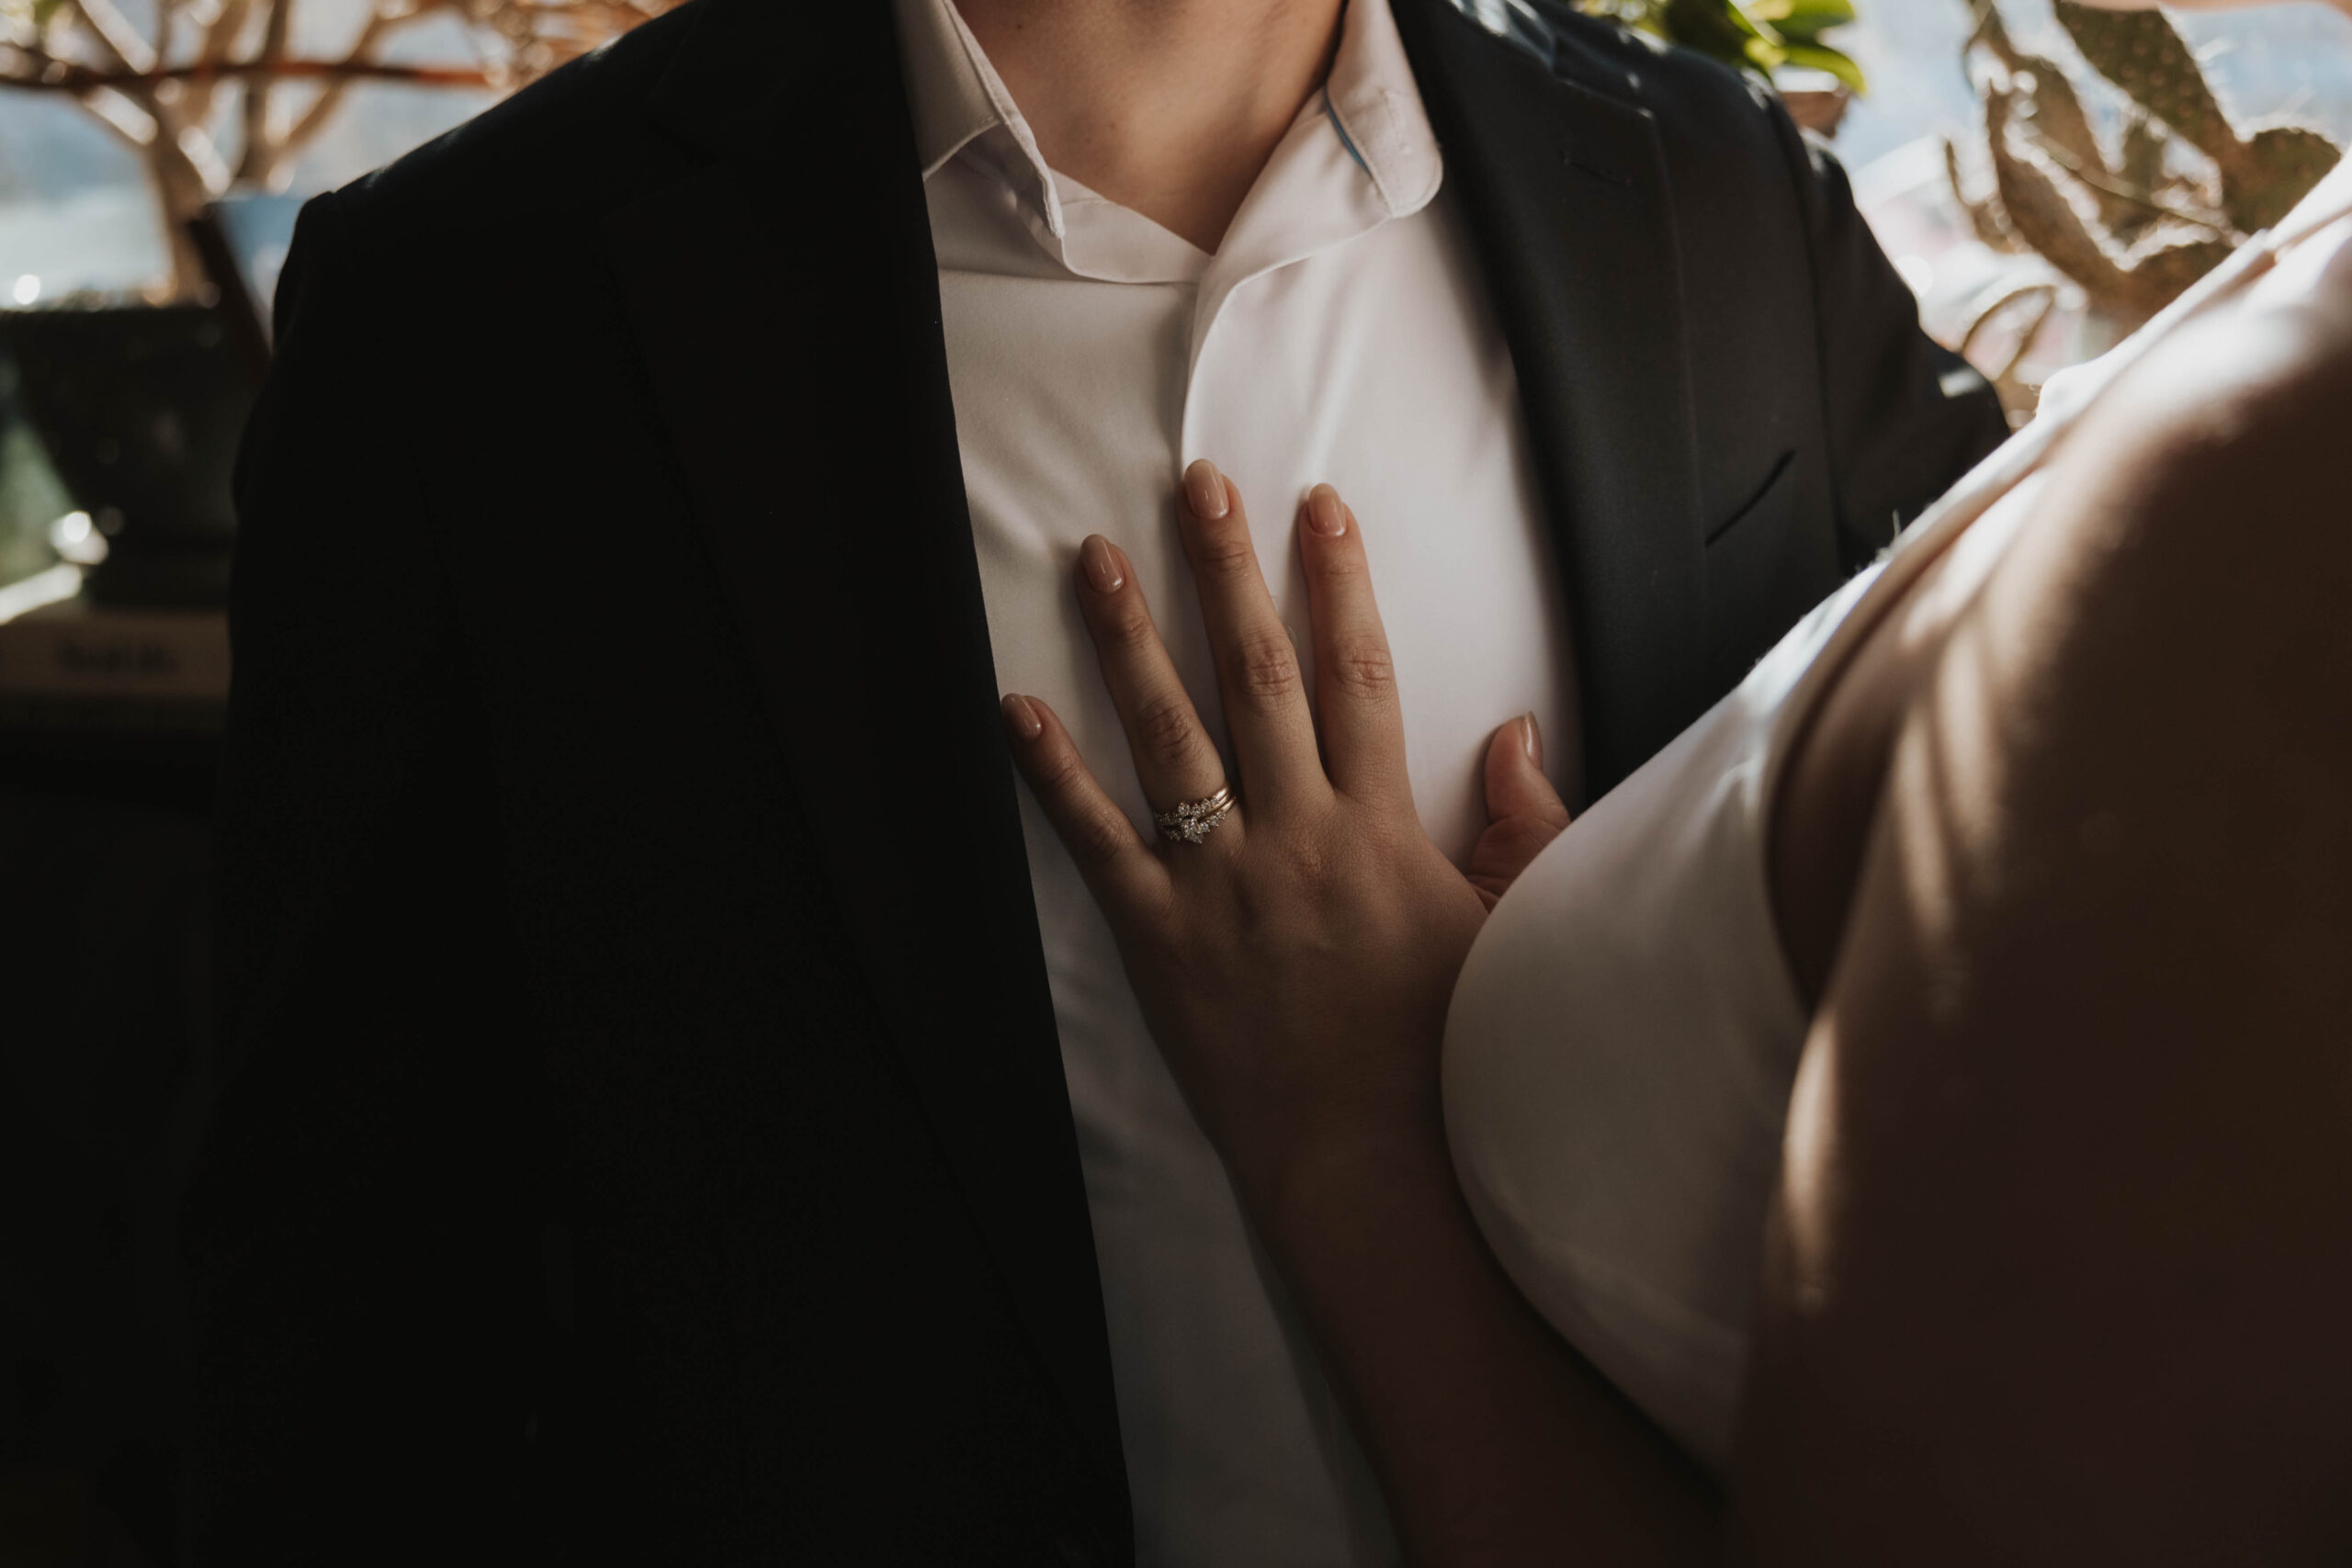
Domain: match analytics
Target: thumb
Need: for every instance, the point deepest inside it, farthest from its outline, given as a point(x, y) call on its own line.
point(1525, 813)
point(1515, 782)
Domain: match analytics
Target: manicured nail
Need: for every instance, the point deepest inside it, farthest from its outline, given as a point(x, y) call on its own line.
point(1205, 490)
point(1324, 515)
point(1102, 564)
point(1532, 738)
point(1021, 717)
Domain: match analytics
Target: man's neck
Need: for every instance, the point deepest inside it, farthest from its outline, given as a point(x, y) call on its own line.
point(1170, 108)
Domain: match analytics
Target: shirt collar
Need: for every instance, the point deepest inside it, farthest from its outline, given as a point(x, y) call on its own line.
point(1376, 109)
point(1370, 101)
point(959, 101)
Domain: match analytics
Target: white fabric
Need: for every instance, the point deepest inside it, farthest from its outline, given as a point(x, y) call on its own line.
point(1340, 333)
point(1623, 1037)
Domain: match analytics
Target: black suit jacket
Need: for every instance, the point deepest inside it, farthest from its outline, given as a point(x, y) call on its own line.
point(648, 1137)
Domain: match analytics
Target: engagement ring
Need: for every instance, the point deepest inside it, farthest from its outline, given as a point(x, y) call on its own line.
point(1192, 820)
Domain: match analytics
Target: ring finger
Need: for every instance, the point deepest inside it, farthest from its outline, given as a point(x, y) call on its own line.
point(1175, 759)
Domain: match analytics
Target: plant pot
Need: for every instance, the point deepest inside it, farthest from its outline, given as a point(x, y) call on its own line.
point(141, 408)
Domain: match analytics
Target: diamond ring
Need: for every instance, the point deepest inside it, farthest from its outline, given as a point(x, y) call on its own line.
point(1192, 820)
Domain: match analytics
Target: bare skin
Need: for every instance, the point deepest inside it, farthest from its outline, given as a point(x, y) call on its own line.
point(2057, 1269)
point(2076, 1109)
point(1168, 107)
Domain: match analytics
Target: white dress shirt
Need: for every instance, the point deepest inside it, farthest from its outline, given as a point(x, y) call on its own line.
point(1341, 333)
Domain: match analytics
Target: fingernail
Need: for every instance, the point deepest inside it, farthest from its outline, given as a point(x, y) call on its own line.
point(1021, 717)
point(1324, 515)
point(1102, 564)
point(1205, 490)
point(1532, 738)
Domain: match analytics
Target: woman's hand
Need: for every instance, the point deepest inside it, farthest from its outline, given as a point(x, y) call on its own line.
point(1296, 964)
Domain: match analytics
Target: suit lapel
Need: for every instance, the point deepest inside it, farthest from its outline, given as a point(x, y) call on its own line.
point(786, 300)
point(1565, 189)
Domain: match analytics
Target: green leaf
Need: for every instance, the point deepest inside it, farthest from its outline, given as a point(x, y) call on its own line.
point(1821, 57)
point(1803, 21)
point(1806, 32)
point(1758, 35)
point(1715, 27)
point(1813, 16)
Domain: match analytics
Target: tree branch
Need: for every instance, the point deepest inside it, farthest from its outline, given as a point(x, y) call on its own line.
point(114, 32)
point(63, 76)
point(220, 43)
point(166, 14)
point(126, 119)
point(313, 119)
point(255, 158)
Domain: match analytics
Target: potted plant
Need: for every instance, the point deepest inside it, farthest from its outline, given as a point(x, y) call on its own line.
point(2125, 227)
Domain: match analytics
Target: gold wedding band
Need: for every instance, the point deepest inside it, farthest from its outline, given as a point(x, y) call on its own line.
point(1192, 820)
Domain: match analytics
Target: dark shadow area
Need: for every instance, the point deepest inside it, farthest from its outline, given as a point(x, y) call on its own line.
point(107, 1074)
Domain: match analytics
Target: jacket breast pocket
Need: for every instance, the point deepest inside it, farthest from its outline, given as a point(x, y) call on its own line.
point(1759, 583)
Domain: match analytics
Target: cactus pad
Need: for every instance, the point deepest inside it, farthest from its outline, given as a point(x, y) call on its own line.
point(2273, 171)
point(2140, 52)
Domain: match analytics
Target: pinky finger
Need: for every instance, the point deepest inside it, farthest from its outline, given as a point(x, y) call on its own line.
point(1112, 855)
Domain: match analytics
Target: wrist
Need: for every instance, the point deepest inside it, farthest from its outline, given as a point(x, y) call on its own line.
point(1331, 1180)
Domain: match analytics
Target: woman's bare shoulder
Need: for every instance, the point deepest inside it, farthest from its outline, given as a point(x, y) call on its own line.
point(2241, 421)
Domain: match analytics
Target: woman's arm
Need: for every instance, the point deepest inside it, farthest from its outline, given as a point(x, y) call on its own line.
point(1295, 966)
point(1495, 1441)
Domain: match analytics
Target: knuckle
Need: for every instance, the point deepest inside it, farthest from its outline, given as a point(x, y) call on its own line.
point(1342, 566)
point(1363, 668)
point(1508, 848)
point(1265, 668)
point(1100, 836)
point(1061, 775)
point(1165, 728)
point(1127, 623)
point(1521, 840)
point(1222, 551)
point(1387, 837)
point(1306, 865)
